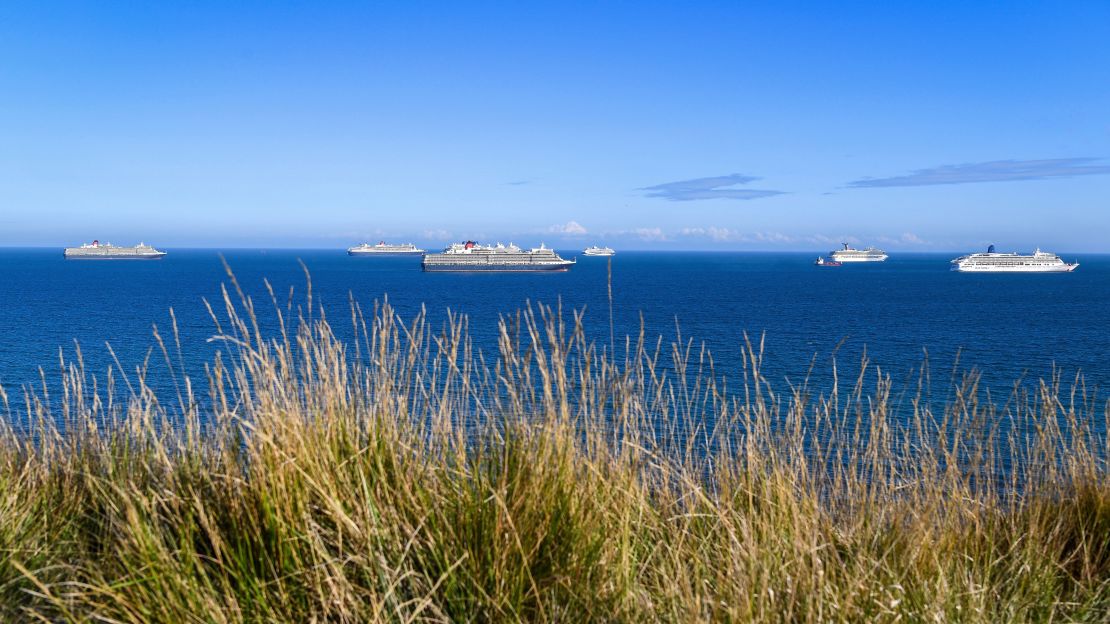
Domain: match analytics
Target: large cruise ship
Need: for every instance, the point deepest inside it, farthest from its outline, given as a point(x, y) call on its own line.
point(598, 251)
point(107, 251)
point(471, 256)
point(848, 254)
point(994, 262)
point(384, 249)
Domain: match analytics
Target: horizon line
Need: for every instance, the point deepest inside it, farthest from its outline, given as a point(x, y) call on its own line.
point(560, 248)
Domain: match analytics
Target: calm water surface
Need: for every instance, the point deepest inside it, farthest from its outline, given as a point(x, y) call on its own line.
point(1010, 326)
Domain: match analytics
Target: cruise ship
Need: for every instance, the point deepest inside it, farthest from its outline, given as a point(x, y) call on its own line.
point(848, 254)
point(384, 249)
point(107, 251)
point(471, 256)
point(994, 262)
point(598, 251)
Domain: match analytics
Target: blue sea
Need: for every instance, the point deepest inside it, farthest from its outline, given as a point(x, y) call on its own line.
point(1010, 326)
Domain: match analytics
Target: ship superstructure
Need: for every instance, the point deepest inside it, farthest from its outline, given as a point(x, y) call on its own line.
point(994, 262)
point(470, 256)
point(598, 251)
point(107, 251)
point(850, 254)
point(384, 249)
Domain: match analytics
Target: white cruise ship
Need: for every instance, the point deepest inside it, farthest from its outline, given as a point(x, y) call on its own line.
point(849, 254)
point(384, 249)
point(598, 251)
point(994, 262)
point(97, 250)
point(471, 256)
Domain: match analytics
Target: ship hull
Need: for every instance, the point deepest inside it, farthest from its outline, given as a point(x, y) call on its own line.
point(858, 259)
point(496, 268)
point(1063, 268)
point(82, 256)
point(384, 253)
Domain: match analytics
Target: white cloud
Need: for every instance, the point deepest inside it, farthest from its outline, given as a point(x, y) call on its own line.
point(908, 238)
point(437, 235)
point(727, 235)
point(718, 234)
point(833, 240)
point(363, 235)
point(773, 237)
point(570, 228)
point(650, 234)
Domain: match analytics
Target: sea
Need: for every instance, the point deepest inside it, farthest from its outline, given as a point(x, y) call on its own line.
point(905, 315)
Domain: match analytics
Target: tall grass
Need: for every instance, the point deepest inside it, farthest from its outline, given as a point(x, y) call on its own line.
point(404, 476)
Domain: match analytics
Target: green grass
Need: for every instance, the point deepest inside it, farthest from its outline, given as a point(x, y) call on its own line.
point(405, 477)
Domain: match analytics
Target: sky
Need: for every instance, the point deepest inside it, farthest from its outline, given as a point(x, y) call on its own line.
point(913, 126)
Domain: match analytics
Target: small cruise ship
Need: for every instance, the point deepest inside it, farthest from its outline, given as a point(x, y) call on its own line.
point(470, 256)
point(994, 262)
point(107, 251)
point(384, 249)
point(598, 251)
point(849, 254)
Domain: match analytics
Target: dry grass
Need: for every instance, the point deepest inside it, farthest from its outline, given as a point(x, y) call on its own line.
point(402, 477)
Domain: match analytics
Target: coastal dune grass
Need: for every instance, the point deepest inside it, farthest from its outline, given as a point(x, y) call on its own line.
point(404, 476)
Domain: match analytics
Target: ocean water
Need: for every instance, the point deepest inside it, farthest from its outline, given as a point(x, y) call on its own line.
point(1011, 327)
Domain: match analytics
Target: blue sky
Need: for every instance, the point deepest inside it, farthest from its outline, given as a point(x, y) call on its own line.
point(770, 126)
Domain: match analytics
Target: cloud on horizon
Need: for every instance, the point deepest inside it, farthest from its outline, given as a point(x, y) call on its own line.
point(993, 171)
point(722, 235)
point(907, 238)
point(727, 235)
point(716, 187)
point(570, 228)
point(650, 234)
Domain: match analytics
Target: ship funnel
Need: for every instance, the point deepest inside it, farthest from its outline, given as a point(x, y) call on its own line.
point(990, 249)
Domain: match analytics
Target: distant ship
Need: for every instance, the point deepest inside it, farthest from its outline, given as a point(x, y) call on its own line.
point(107, 251)
point(822, 261)
point(384, 249)
point(471, 256)
point(848, 254)
point(994, 262)
point(598, 251)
